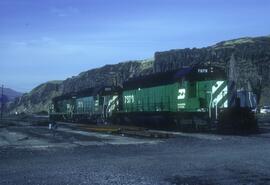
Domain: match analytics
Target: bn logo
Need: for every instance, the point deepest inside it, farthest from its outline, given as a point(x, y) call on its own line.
point(182, 94)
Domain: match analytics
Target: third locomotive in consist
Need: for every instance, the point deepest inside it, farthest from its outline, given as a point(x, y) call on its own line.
point(190, 98)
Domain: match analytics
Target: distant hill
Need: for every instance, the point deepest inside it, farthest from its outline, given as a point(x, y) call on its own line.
point(10, 93)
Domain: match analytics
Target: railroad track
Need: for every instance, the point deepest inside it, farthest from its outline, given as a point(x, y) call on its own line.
point(125, 130)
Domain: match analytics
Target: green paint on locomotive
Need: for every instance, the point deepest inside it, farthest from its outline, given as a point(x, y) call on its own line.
point(90, 105)
point(65, 106)
point(186, 96)
point(84, 105)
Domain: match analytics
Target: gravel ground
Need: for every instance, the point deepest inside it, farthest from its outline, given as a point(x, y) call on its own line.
point(35, 155)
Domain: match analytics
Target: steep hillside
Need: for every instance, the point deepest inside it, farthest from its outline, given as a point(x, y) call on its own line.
point(250, 55)
point(38, 99)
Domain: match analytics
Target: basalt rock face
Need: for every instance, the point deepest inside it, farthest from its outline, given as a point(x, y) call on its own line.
point(250, 55)
point(107, 75)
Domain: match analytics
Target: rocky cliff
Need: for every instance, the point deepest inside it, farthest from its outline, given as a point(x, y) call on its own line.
point(251, 57)
point(108, 75)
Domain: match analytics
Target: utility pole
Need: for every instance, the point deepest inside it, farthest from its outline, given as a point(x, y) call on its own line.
point(2, 102)
point(233, 77)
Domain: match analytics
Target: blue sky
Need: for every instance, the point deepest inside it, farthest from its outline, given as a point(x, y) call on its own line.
point(56, 39)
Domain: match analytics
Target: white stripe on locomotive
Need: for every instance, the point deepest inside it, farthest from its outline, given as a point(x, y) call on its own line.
point(220, 96)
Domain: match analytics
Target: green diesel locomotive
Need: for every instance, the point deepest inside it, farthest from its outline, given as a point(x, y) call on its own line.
point(91, 105)
point(188, 98)
point(183, 99)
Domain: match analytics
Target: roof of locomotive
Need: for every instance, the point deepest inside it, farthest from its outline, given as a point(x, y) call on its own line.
point(195, 73)
point(94, 91)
